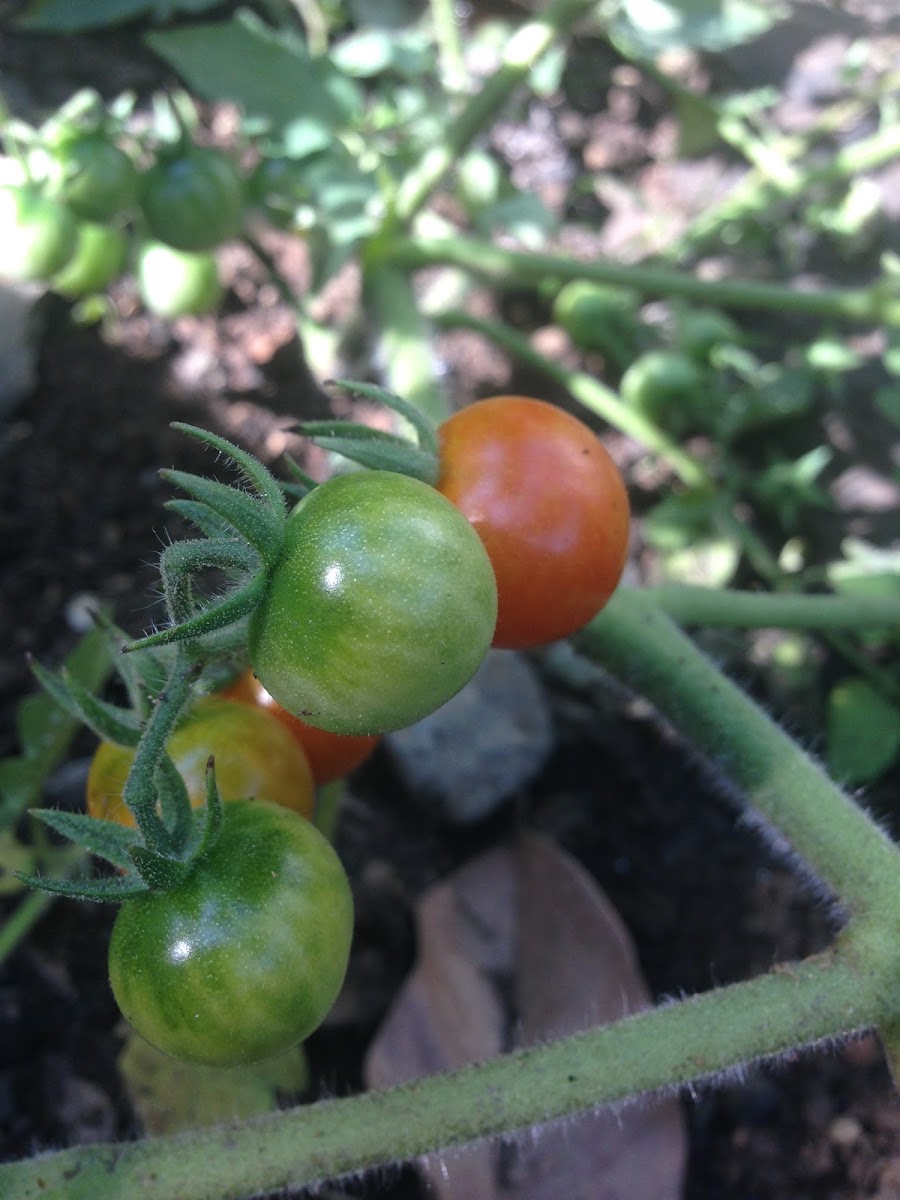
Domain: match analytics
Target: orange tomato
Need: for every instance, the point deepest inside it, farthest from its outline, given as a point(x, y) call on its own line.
point(255, 758)
point(330, 755)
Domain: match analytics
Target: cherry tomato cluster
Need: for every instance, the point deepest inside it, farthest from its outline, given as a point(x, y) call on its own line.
point(93, 203)
point(247, 955)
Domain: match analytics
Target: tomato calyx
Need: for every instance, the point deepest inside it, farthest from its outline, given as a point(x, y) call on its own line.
point(375, 448)
point(243, 532)
point(170, 836)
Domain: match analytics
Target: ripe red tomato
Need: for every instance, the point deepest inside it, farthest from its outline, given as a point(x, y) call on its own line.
point(330, 755)
point(550, 507)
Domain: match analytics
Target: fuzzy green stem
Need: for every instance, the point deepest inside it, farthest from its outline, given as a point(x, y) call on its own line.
point(595, 396)
point(693, 1040)
point(502, 267)
point(140, 790)
point(689, 605)
point(634, 640)
point(526, 46)
point(757, 191)
point(446, 32)
point(404, 337)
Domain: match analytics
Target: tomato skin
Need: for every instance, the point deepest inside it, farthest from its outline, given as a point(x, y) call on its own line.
point(669, 388)
point(550, 507)
point(245, 958)
point(99, 258)
point(193, 200)
point(174, 283)
point(330, 755)
point(93, 177)
point(599, 317)
point(255, 758)
point(380, 608)
point(37, 235)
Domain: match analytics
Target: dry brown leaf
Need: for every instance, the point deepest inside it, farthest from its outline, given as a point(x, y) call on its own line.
point(525, 928)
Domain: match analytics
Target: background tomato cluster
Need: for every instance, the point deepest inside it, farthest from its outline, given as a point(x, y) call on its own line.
point(88, 201)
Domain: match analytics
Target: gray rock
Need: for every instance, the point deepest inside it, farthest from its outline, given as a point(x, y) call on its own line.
point(484, 745)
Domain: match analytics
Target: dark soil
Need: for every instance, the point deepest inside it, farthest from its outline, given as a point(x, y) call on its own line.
point(82, 520)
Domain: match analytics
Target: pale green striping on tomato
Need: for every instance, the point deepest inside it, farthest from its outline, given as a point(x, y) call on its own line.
point(245, 958)
point(381, 607)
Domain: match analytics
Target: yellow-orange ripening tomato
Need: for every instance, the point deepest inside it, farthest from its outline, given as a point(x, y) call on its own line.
point(330, 755)
point(255, 758)
point(550, 507)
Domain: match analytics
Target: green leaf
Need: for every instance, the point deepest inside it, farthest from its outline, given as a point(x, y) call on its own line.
point(170, 1096)
point(72, 16)
point(15, 859)
point(710, 563)
point(519, 215)
point(46, 731)
point(698, 124)
point(648, 27)
point(863, 732)
point(270, 75)
point(370, 52)
point(108, 721)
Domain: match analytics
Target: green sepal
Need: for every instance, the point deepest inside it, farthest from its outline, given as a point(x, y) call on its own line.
point(206, 519)
point(103, 890)
point(373, 448)
point(144, 675)
point(260, 479)
point(423, 426)
point(174, 803)
point(233, 607)
point(303, 484)
point(108, 721)
point(159, 872)
point(208, 820)
point(179, 563)
point(106, 839)
point(251, 516)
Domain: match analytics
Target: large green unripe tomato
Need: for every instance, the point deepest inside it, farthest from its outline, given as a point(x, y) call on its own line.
point(380, 608)
point(175, 283)
point(37, 235)
point(99, 258)
point(244, 958)
point(93, 176)
point(193, 200)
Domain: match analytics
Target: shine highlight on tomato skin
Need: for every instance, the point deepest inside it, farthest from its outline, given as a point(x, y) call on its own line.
point(550, 507)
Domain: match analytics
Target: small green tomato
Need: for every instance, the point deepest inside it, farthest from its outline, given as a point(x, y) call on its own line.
point(381, 607)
